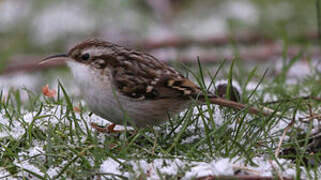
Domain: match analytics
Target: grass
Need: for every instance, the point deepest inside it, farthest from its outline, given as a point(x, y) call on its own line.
point(45, 138)
point(49, 140)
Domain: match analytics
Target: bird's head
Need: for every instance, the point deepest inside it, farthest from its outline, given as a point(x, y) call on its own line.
point(92, 52)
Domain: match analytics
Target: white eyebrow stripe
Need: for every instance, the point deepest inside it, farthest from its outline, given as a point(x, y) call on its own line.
point(98, 51)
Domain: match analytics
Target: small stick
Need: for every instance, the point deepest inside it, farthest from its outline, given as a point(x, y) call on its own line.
point(276, 170)
point(259, 53)
point(277, 152)
point(246, 169)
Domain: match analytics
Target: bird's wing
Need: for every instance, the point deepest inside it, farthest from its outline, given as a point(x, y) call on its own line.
point(141, 76)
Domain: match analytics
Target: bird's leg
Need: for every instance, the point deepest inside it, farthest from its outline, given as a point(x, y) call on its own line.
point(110, 129)
point(107, 129)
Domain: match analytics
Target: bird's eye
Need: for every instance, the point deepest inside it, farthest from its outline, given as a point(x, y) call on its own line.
point(85, 56)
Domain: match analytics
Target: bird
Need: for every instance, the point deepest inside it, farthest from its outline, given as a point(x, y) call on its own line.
point(129, 87)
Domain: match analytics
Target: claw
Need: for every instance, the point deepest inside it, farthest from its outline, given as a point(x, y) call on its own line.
point(107, 129)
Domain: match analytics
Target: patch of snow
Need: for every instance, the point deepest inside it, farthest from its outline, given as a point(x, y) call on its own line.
point(190, 139)
point(252, 85)
point(9, 129)
point(28, 117)
point(217, 115)
point(267, 167)
point(26, 165)
point(227, 167)
point(216, 167)
point(4, 174)
point(52, 172)
point(164, 166)
point(36, 151)
point(111, 166)
point(150, 170)
point(267, 97)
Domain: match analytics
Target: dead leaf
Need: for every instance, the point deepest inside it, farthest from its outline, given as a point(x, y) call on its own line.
point(76, 109)
point(48, 92)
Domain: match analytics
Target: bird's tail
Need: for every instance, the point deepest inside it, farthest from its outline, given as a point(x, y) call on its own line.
point(236, 105)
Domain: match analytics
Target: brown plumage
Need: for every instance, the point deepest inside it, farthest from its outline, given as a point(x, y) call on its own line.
point(126, 86)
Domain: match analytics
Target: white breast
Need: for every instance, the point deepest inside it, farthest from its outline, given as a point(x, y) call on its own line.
point(97, 93)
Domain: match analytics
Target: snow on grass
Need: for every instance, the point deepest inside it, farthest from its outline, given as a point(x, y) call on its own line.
point(4, 174)
point(54, 116)
point(216, 167)
point(111, 166)
point(52, 172)
point(27, 168)
point(8, 129)
point(143, 168)
point(193, 169)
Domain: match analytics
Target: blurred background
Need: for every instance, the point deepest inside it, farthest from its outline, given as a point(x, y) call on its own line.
point(255, 32)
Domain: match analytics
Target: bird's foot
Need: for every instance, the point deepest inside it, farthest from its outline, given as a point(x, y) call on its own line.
point(110, 129)
point(107, 129)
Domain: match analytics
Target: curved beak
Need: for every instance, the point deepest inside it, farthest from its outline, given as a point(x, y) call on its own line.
point(55, 58)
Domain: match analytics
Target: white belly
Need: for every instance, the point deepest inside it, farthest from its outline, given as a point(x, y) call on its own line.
point(119, 109)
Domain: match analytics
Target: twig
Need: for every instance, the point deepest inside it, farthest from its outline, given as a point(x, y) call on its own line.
point(257, 53)
point(276, 170)
point(260, 53)
point(311, 116)
point(277, 151)
point(5, 176)
point(241, 38)
point(213, 41)
point(246, 169)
